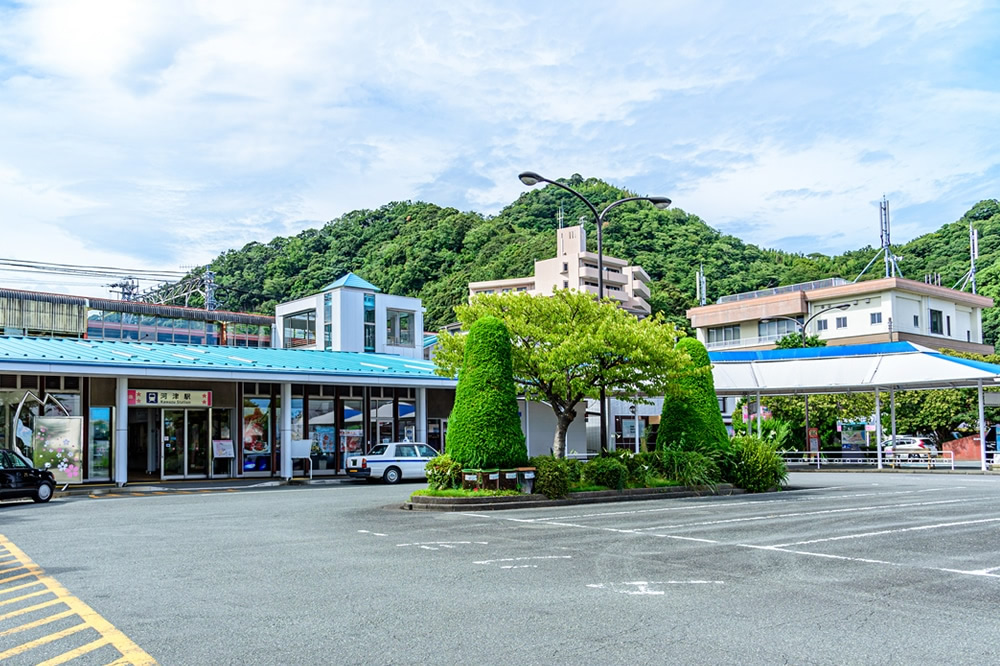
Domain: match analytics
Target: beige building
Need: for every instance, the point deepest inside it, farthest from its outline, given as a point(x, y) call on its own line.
point(574, 267)
point(846, 313)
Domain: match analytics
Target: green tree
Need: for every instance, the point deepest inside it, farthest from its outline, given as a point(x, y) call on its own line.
point(565, 345)
point(484, 429)
point(691, 414)
point(794, 341)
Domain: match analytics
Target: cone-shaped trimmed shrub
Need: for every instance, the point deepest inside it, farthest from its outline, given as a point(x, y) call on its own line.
point(484, 430)
point(691, 419)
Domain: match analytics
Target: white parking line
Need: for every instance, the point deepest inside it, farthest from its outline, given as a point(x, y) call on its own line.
point(799, 514)
point(881, 532)
point(644, 587)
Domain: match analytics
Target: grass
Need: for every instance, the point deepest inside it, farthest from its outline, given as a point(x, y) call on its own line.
point(459, 492)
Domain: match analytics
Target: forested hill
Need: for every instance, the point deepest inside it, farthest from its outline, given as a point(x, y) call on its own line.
point(420, 249)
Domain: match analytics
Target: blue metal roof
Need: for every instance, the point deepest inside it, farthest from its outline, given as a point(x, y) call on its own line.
point(430, 339)
point(815, 352)
point(129, 358)
point(351, 280)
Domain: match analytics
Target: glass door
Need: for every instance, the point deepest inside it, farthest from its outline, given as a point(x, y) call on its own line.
point(197, 442)
point(173, 443)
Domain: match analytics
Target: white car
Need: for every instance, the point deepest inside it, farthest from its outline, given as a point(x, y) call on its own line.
point(909, 445)
point(392, 461)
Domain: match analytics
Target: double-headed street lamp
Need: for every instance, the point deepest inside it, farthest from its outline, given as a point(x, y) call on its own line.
point(803, 324)
point(530, 178)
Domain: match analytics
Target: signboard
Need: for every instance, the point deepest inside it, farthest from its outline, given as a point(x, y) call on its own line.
point(813, 439)
point(58, 442)
point(168, 398)
point(326, 438)
point(223, 448)
point(301, 448)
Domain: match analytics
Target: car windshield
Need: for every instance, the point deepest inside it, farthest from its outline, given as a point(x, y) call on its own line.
point(378, 449)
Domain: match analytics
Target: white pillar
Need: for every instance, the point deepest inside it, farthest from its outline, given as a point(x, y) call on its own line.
point(121, 431)
point(759, 410)
point(421, 415)
point(286, 431)
point(982, 426)
point(878, 427)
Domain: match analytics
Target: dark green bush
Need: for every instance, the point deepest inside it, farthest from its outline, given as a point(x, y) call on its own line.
point(443, 473)
point(692, 412)
point(574, 469)
point(689, 468)
point(607, 471)
point(550, 477)
point(484, 430)
point(758, 465)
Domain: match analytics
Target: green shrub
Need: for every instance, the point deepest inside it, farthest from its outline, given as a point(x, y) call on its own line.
point(607, 471)
point(689, 468)
point(443, 473)
point(574, 469)
point(758, 465)
point(692, 411)
point(484, 430)
point(550, 477)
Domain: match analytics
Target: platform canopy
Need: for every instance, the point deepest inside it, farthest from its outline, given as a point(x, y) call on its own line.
point(846, 369)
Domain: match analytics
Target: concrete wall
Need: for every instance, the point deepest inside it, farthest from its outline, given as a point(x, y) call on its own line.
point(539, 425)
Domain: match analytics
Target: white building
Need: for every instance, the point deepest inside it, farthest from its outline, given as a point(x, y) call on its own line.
point(351, 314)
point(846, 313)
point(574, 267)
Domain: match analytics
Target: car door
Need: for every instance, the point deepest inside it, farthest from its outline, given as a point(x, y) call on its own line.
point(11, 474)
point(410, 463)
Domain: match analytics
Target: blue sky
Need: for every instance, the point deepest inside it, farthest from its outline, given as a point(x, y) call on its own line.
point(159, 134)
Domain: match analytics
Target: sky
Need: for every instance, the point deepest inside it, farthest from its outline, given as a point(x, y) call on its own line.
point(157, 135)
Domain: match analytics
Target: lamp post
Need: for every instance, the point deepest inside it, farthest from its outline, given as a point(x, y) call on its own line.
point(802, 325)
point(530, 178)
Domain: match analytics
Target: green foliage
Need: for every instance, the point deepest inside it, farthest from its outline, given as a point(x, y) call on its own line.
point(574, 469)
point(689, 468)
point(461, 492)
point(443, 472)
point(692, 411)
point(567, 344)
point(606, 471)
point(759, 466)
point(794, 341)
point(484, 429)
point(551, 478)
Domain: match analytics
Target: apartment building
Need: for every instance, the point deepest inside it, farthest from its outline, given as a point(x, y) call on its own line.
point(846, 313)
point(574, 267)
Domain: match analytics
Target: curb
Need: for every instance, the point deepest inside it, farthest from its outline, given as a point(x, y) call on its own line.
point(428, 503)
point(145, 489)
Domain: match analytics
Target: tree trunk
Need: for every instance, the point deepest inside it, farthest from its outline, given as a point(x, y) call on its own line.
point(562, 425)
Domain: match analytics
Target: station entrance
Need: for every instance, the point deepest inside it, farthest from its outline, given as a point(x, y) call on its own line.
point(176, 443)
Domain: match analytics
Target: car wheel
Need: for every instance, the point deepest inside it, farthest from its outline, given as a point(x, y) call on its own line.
point(43, 493)
point(392, 475)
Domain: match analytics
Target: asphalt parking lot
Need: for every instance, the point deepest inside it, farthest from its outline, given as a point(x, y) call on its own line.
point(848, 568)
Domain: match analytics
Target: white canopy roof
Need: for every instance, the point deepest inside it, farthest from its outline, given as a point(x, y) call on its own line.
point(845, 369)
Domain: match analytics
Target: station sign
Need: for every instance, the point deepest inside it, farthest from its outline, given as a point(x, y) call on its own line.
point(168, 398)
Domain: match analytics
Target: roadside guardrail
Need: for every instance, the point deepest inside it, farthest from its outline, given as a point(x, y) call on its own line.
point(869, 458)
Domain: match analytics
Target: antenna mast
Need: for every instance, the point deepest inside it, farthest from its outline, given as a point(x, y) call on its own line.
point(891, 267)
point(970, 277)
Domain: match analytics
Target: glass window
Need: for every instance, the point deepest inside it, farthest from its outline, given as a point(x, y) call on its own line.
point(916, 321)
point(724, 333)
point(426, 451)
point(876, 317)
point(352, 435)
point(99, 440)
point(822, 324)
point(841, 322)
point(95, 324)
point(407, 420)
point(378, 449)
point(406, 451)
point(300, 329)
point(369, 322)
point(399, 328)
point(937, 322)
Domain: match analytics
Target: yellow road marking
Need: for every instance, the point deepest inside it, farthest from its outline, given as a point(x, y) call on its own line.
point(19, 587)
point(44, 640)
point(24, 596)
point(131, 653)
point(89, 647)
point(37, 623)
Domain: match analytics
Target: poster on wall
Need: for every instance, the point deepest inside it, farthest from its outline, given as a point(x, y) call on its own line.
point(326, 438)
point(58, 442)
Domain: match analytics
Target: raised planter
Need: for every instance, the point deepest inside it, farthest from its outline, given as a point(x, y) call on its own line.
point(427, 503)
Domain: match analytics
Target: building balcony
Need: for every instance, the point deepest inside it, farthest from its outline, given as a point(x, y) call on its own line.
point(640, 289)
point(609, 276)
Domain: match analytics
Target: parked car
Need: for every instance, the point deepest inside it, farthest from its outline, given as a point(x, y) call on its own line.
point(392, 462)
point(18, 478)
point(910, 445)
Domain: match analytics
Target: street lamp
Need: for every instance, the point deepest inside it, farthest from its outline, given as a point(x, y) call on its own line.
point(803, 324)
point(530, 178)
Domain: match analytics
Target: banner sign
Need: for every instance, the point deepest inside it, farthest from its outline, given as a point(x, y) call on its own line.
point(223, 448)
point(57, 441)
point(171, 398)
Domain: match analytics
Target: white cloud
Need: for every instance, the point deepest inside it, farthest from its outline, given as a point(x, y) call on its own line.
point(218, 123)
